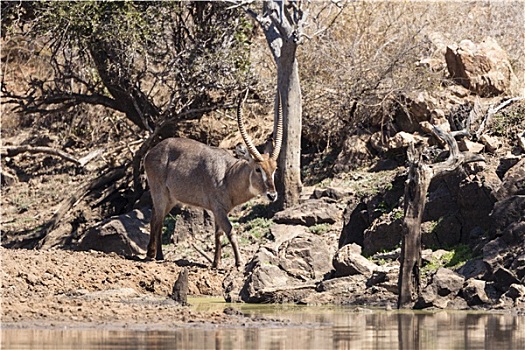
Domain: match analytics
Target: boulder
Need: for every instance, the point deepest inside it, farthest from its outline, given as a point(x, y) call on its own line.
point(354, 154)
point(447, 282)
point(513, 181)
point(385, 233)
point(491, 143)
point(476, 268)
point(349, 261)
point(355, 222)
point(508, 220)
point(309, 213)
point(419, 106)
point(503, 279)
point(284, 270)
point(516, 292)
point(482, 68)
point(474, 292)
point(125, 234)
point(192, 221)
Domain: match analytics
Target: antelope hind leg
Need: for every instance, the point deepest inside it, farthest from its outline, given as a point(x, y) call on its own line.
point(155, 239)
point(217, 256)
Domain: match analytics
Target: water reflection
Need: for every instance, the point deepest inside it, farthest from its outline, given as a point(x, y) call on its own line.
point(310, 328)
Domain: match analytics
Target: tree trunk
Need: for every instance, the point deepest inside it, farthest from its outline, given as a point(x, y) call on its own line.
point(419, 177)
point(290, 185)
point(282, 37)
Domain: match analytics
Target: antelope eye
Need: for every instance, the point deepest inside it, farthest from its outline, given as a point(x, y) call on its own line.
point(258, 170)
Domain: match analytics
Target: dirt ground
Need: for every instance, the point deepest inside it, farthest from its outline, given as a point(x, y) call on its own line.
point(44, 286)
point(56, 288)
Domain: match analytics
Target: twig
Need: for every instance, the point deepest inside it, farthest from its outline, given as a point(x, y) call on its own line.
point(202, 253)
point(492, 111)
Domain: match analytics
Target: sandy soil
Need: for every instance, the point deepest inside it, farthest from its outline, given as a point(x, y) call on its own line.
point(57, 288)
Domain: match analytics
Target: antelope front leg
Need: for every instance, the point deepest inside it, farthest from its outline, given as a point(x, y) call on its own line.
point(226, 226)
point(233, 240)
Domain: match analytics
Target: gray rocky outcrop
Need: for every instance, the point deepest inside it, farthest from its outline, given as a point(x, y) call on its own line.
point(283, 270)
point(126, 234)
point(349, 261)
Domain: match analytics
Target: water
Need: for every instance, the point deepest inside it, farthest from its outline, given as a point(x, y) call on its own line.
point(309, 328)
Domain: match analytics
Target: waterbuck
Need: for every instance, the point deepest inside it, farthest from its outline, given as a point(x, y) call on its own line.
point(185, 171)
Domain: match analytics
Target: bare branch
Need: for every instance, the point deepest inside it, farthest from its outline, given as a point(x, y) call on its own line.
point(12, 151)
point(494, 110)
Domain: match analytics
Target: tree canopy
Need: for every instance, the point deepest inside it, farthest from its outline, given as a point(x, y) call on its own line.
point(157, 62)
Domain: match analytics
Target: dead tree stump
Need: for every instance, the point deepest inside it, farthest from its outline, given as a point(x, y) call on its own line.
point(420, 175)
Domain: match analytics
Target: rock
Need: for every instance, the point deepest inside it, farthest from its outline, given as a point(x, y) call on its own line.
point(309, 213)
point(355, 222)
point(180, 288)
point(518, 265)
point(331, 193)
point(474, 292)
point(465, 145)
point(476, 268)
point(503, 278)
point(349, 261)
point(385, 233)
point(521, 140)
point(284, 270)
point(482, 68)
point(515, 291)
point(447, 282)
point(126, 234)
point(508, 220)
point(354, 154)
point(493, 253)
point(491, 143)
point(192, 221)
point(513, 181)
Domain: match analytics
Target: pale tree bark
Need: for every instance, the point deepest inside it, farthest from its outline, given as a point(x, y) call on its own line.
point(282, 23)
point(420, 176)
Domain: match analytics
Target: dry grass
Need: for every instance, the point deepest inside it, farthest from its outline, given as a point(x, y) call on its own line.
point(353, 73)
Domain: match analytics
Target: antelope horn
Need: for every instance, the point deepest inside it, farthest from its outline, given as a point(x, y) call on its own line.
point(247, 140)
point(279, 131)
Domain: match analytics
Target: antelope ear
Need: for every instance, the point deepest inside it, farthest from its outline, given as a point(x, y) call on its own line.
point(241, 152)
